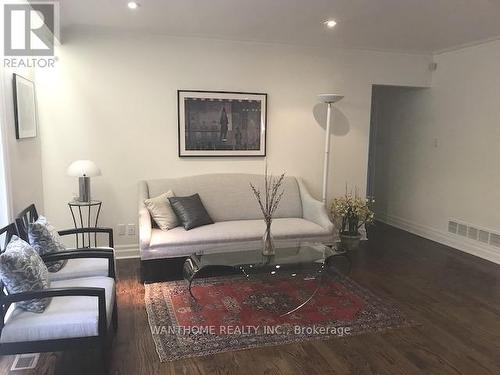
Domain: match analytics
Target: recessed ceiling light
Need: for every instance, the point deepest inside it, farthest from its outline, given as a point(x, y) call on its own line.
point(132, 5)
point(330, 24)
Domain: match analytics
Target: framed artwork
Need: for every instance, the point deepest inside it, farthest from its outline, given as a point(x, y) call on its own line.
point(220, 123)
point(24, 107)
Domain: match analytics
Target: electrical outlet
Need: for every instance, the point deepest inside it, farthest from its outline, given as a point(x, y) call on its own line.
point(121, 229)
point(131, 229)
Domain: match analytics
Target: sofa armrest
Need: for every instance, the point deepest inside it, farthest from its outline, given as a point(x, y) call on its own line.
point(144, 217)
point(314, 210)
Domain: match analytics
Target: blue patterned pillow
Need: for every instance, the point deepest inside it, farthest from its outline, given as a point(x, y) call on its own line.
point(45, 239)
point(22, 270)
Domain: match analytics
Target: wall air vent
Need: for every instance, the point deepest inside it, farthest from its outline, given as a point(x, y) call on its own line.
point(462, 230)
point(25, 361)
point(495, 239)
point(452, 227)
point(484, 236)
point(473, 233)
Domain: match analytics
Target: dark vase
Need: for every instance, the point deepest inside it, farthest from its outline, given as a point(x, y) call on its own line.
point(350, 243)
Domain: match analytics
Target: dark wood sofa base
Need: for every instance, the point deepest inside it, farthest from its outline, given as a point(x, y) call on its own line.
point(171, 269)
point(157, 270)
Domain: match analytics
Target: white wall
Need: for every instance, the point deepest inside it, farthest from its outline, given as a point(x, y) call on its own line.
point(22, 157)
point(439, 149)
point(112, 99)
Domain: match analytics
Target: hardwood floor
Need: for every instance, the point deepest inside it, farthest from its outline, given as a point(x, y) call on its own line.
point(455, 297)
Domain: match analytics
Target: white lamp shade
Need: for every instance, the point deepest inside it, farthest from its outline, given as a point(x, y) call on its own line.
point(330, 98)
point(83, 168)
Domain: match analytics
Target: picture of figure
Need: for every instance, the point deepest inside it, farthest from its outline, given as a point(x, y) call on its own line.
point(223, 126)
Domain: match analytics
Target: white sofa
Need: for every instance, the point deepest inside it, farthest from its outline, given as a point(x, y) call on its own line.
point(235, 212)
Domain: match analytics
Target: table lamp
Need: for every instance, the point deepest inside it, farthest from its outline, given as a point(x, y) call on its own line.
point(83, 169)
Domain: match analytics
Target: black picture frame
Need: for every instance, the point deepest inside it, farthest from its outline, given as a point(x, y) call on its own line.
point(242, 134)
point(25, 117)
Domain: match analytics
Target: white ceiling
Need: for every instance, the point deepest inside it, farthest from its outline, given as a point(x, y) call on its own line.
point(391, 25)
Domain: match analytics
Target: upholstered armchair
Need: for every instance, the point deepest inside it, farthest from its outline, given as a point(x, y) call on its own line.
point(81, 315)
point(82, 263)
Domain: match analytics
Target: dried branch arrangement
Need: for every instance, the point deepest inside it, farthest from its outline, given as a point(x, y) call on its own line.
point(273, 192)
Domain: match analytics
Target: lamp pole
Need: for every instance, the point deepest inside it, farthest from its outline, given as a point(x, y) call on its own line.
point(329, 99)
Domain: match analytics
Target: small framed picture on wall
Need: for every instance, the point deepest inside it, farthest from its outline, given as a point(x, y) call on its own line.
point(24, 107)
point(220, 123)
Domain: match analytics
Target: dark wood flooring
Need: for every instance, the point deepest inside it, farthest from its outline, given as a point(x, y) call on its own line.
point(455, 297)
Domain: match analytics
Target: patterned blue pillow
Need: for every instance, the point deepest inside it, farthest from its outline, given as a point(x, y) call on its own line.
point(22, 270)
point(45, 239)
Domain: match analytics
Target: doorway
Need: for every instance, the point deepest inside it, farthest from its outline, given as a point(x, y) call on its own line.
point(393, 111)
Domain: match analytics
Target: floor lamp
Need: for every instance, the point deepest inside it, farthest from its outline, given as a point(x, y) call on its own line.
point(329, 99)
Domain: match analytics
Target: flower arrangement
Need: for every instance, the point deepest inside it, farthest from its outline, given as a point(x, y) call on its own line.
point(351, 212)
point(268, 203)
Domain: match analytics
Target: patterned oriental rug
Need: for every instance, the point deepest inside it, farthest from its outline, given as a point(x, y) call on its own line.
point(233, 313)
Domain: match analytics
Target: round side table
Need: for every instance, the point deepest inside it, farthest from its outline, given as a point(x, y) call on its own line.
point(77, 211)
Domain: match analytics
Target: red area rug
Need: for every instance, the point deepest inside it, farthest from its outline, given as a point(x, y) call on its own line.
point(232, 313)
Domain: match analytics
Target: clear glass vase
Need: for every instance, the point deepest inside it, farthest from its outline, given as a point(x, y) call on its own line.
point(267, 241)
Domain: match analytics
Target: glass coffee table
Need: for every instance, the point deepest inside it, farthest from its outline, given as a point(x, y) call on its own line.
point(307, 260)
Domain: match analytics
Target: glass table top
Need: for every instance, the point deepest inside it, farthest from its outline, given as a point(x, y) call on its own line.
point(308, 261)
point(248, 257)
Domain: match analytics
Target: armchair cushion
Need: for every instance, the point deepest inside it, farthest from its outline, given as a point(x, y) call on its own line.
point(66, 317)
point(45, 239)
point(84, 267)
point(22, 270)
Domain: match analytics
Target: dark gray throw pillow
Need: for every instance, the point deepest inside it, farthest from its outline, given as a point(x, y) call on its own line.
point(190, 211)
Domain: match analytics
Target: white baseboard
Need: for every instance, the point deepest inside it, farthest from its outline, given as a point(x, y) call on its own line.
point(460, 243)
point(126, 251)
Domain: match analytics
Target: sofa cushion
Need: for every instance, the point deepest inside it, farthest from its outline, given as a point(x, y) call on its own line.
point(178, 242)
point(228, 196)
point(65, 317)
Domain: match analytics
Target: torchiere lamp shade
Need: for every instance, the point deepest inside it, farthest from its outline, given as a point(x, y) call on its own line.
point(330, 98)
